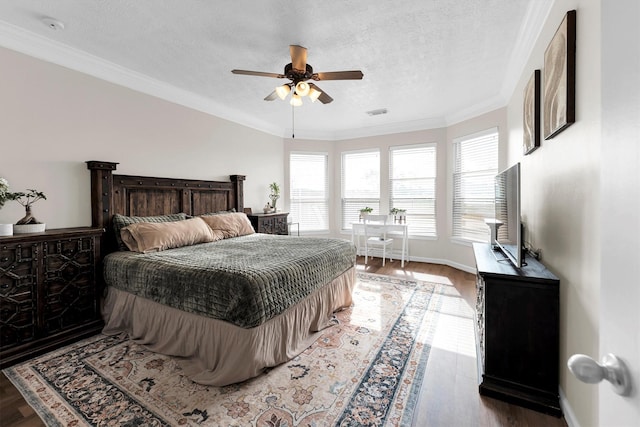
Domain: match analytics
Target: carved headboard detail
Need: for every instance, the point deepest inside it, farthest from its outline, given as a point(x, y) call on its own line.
point(148, 196)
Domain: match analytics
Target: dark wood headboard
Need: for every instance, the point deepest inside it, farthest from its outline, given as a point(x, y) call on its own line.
point(132, 195)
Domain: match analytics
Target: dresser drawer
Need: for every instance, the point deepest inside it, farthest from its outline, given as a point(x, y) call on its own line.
point(18, 282)
point(69, 283)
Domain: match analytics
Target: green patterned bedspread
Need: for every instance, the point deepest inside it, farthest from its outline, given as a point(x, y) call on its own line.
point(244, 280)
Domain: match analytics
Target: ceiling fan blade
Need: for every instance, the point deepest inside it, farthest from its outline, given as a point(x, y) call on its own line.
point(258, 73)
point(324, 97)
point(298, 57)
point(339, 75)
point(273, 95)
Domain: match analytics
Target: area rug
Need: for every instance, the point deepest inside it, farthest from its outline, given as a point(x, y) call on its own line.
point(366, 369)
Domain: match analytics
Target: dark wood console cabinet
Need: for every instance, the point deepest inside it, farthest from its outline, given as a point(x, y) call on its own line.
point(270, 223)
point(48, 291)
point(517, 331)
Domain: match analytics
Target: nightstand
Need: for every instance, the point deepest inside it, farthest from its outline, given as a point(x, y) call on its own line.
point(270, 223)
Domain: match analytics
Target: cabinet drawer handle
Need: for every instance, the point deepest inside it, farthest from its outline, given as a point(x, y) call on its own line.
point(5, 286)
point(5, 259)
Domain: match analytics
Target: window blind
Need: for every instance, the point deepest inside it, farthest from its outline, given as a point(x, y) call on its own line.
point(309, 191)
point(412, 184)
point(360, 184)
point(475, 167)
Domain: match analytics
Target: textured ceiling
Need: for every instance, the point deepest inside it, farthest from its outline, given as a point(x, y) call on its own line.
point(428, 62)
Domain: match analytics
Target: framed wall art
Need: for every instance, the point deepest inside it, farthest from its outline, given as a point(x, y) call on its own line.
point(560, 78)
point(531, 114)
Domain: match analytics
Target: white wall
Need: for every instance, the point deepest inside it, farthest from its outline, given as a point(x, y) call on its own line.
point(561, 198)
point(53, 119)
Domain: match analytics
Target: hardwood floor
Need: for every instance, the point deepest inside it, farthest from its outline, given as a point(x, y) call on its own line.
point(449, 395)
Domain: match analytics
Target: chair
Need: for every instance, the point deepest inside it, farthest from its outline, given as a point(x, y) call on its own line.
point(375, 236)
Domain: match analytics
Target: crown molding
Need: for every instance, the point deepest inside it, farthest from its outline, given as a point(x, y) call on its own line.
point(479, 109)
point(31, 44)
point(368, 131)
point(537, 14)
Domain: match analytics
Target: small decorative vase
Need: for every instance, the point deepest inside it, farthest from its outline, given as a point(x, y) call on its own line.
point(274, 198)
point(6, 229)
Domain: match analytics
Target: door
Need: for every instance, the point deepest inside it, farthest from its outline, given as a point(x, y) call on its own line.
point(620, 207)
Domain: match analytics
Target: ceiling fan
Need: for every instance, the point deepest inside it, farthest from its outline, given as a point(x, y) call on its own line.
point(298, 71)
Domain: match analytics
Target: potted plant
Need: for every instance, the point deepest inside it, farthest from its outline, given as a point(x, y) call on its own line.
point(365, 211)
point(28, 223)
point(275, 194)
point(5, 196)
point(398, 214)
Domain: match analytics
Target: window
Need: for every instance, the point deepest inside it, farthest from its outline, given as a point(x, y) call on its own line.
point(474, 170)
point(309, 193)
point(412, 186)
point(360, 184)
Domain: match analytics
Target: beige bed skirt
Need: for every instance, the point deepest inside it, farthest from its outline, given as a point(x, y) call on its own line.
point(214, 352)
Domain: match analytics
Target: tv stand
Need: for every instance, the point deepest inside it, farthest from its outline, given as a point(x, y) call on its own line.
point(517, 331)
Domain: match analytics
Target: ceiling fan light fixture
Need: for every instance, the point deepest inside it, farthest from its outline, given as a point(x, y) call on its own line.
point(314, 94)
point(302, 88)
point(296, 100)
point(298, 71)
point(283, 91)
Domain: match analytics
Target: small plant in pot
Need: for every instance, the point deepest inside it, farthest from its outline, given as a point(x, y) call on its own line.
point(275, 194)
point(365, 211)
point(398, 214)
point(5, 196)
point(28, 223)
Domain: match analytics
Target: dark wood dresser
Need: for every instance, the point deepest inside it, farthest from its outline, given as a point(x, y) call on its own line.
point(49, 293)
point(270, 223)
point(517, 331)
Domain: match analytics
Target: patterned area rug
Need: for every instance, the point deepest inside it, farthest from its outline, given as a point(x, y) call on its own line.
point(366, 369)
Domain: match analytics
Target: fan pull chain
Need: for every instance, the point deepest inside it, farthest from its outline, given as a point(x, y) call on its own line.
point(293, 122)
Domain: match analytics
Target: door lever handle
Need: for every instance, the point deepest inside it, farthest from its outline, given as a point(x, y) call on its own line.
point(612, 369)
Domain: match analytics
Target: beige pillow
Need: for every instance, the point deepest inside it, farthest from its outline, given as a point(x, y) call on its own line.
point(229, 224)
point(148, 237)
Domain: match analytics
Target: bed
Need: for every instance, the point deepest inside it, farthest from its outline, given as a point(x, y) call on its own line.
point(228, 306)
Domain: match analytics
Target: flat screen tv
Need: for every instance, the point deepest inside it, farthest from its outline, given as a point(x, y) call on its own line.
point(507, 207)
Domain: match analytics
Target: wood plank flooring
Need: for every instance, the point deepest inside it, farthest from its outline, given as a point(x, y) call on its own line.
point(449, 395)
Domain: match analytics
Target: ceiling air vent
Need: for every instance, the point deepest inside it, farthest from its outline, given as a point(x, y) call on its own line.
point(377, 112)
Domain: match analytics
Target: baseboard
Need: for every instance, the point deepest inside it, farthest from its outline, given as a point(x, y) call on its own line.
point(456, 265)
point(569, 415)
